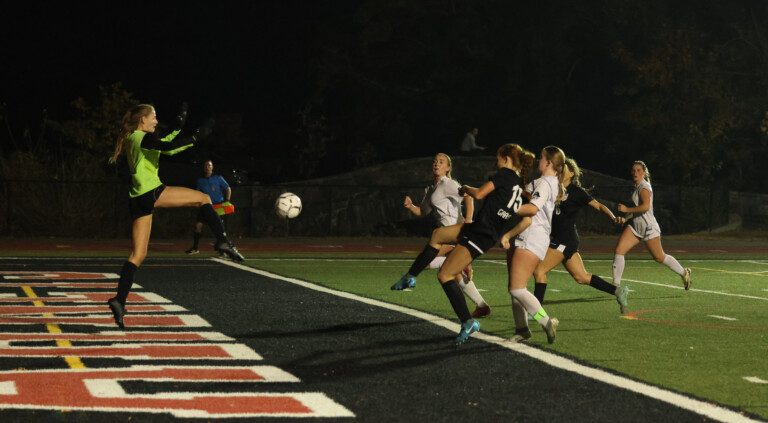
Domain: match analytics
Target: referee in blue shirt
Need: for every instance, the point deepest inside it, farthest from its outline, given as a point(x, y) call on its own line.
point(216, 188)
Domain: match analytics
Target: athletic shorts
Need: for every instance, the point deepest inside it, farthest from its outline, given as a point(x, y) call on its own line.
point(477, 243)
point(643, 231)
point(535, 242)
point(568, 248)
point(144, 204)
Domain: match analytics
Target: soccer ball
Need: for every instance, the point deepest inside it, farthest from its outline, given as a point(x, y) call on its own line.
point(288, 205)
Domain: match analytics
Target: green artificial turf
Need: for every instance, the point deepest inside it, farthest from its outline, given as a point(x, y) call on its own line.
point(703, 342)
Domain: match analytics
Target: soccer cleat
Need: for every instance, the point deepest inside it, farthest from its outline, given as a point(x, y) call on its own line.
point(521, 335)
point(229, 249)
point(551, 329)
point(406, 281)
point(621, 298)
point(118, 310)
point(481, 311)
point(687, 278)
point(467, 328)
point(469, 272)
point(192, 250)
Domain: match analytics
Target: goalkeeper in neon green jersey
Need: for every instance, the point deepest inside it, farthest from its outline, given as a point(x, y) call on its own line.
point(143, 149)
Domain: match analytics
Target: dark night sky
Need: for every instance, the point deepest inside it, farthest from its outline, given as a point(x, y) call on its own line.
point(250, 58)
point(547, 75)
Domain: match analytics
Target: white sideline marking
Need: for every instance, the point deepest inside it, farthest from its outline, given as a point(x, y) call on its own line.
point(727, 294)
point(721, 317)
point(754, 379)
point(678, 400)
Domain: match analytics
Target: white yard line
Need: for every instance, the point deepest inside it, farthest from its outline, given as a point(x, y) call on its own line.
point(679, 400)
point(727, 294)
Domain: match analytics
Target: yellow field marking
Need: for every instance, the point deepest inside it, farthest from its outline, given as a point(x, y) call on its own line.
point(761, 274)
point(73, 362)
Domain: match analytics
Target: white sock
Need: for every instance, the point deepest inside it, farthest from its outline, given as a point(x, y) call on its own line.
point(471, 291)
point(618, 269)
point(531, 305)
point(673, 265)
point(518, 311)
point(437, 262)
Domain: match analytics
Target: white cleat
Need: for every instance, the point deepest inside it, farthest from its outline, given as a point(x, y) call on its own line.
point(687, 278)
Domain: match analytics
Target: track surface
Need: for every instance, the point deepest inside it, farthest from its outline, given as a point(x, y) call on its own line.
point(375, 363)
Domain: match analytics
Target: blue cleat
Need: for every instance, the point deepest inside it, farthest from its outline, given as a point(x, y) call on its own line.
point(406, 281)
point(229, 249)
point(467, 328)
point(621, 298)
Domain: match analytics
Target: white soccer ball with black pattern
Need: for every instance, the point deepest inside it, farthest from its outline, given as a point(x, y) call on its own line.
point(288, 205)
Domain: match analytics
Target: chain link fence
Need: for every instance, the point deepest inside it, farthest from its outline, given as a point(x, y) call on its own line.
point(100, 210)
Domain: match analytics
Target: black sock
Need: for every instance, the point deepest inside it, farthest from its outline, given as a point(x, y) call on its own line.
point(214, 222)
point(126, 281)
point(423, 259)
point(598, 283)
point(197, 240)
point(539, 289)
point(456, 297)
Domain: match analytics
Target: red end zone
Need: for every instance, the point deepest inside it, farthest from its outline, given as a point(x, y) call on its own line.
point(157, 330)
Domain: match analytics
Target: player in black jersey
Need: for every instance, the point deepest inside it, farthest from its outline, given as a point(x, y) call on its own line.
point(503, 195)
point(564, 240)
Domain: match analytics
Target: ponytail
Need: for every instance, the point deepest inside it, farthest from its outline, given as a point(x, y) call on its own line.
point(556, 156)
point(131, 120)
point(526, 163)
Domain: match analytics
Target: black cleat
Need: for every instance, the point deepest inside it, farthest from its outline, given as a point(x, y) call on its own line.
point(118, 310)
point(229, 249)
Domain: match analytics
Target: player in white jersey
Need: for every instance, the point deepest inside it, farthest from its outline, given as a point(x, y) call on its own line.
point(442, 202)
point(530, 246)
point(643, 227)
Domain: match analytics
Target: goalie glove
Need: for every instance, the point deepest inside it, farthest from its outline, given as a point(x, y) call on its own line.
point(181, 118)
point(204, 131)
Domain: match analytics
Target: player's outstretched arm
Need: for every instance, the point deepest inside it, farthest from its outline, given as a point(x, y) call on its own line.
point(602, 207)
point(478, 193)
point(522, 225)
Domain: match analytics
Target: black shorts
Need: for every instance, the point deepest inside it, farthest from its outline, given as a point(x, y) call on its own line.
point(567, 246)
point(478, 243)
point(144, 204)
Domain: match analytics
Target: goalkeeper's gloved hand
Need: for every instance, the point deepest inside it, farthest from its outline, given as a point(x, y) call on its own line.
point(181, 118)
point(204, 131)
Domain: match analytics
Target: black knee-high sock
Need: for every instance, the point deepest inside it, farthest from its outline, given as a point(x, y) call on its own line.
point(598, 283)
point(126, 281)
point(539, 289)
point(197, 239)
point(423, 259)
point(214, 222)
point(456, 297)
